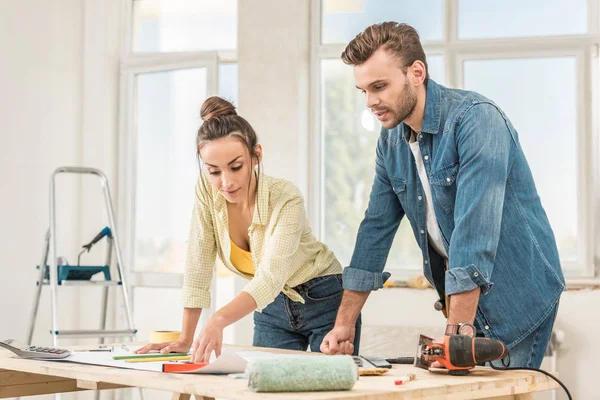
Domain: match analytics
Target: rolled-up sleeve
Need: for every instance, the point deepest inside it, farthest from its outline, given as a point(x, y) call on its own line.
point(201, 254)
point(485, 144)
point(376, 232)
point(280, 259)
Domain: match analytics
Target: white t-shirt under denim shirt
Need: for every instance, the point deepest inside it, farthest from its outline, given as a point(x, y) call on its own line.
point(433, 229)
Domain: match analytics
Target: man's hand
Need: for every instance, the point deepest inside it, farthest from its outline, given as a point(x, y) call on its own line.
point(209, 340)
point(340, 340)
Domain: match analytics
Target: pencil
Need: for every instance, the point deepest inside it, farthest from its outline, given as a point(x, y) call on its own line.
point(173, 358)
point(152, 355)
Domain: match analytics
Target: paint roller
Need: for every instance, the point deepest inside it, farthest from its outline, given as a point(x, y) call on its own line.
point(301, 373)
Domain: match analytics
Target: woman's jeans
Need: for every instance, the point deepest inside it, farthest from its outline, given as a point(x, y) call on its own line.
point(285, 324)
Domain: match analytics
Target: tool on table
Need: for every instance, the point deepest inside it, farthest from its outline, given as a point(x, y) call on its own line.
point(371, 366)
point(458, 353)
point(188, 366)
point(371, 361)
point(163, 336)
point(158, 359)
point(415, 282)
point(148, 355)
point(294, 373)
point(26, 351)
point(403, 379)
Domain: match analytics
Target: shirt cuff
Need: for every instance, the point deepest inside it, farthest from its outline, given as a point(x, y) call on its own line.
point(360, 280)
point(464, 279)
point(199, 299)
point(260, 292)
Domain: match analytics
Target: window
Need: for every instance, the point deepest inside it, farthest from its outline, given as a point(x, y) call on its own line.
point(547, 127)
point(515, 18)
point(177, 53)
point(344, 19)
point(537, 73)
point(167, 118)
point(184, 25)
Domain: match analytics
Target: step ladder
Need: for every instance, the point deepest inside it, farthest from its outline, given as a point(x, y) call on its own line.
point(55, 272)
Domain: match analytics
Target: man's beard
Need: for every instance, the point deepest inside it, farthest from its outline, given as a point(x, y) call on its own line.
point(404, 106)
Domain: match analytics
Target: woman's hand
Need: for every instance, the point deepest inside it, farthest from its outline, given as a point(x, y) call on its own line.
point(209, 340)
point(178, 346)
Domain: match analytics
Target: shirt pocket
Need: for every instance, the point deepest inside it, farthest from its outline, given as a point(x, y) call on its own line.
point(443, 186)
point(399, 186)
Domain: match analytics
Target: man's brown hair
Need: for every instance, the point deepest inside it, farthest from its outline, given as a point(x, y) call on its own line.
point(402, 40)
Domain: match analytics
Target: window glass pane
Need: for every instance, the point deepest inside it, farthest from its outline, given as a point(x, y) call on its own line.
point(544, 115)
point(228, 82)
point(350, 135)
point(437, 68)
point(168, 117)
point(344, 19)
point(184, 25)
point(516, 18)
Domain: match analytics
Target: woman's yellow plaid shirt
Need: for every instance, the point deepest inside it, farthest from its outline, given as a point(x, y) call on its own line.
point(284, 250)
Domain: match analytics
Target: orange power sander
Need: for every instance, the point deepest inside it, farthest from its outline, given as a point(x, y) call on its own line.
point(458, 353)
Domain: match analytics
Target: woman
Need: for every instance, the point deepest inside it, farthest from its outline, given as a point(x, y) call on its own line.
point(258, 227)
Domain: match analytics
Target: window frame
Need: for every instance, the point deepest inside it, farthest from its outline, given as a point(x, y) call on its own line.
point(585, 49)
point(133, 64)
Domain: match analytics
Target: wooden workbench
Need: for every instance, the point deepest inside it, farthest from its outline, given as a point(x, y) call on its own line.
point(31, 377)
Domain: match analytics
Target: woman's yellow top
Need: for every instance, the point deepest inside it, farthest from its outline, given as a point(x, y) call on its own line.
point(241, 259)
point(285, 252)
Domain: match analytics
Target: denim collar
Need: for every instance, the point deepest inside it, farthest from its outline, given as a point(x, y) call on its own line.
point(433, 112)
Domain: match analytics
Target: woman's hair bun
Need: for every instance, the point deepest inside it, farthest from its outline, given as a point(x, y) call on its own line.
point(216, 106)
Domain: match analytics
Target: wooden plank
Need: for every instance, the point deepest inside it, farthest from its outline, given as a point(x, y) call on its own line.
point(13, 378)
point(32, 389)
point(92, 385)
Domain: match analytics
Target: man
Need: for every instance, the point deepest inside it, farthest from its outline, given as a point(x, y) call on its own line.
point(450, 160)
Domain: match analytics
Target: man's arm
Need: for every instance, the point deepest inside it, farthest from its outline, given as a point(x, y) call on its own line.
point(485, 146)
point(365, 272)
point(463, 307)
point(341, 338)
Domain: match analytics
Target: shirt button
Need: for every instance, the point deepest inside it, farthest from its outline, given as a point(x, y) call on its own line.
point(420, 198)
point(426, 262)
point(426, 158)
point(422, 231)
point(475, 274)
point(420, 137)
point(486, 327)
point(448, 179)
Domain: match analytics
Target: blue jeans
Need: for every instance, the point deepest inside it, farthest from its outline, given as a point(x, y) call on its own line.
point(285, 324)
point(530, 351)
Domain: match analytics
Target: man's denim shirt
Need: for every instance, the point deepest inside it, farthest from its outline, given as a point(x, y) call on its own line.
point(492, 222)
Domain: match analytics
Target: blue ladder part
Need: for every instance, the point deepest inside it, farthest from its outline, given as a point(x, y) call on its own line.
point(78, 272)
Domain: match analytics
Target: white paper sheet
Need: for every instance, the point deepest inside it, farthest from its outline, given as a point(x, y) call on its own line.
point(230, 361)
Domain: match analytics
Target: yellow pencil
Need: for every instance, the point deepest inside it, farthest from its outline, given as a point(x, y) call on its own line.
point(154, 359)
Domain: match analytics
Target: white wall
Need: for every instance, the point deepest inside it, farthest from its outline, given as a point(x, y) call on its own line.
point(273, 93)
point(58, 105)
point(40, 110)
point(59, 85)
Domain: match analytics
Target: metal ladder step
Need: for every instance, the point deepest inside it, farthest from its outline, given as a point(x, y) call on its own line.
point(85, 283)
point(95, 333)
